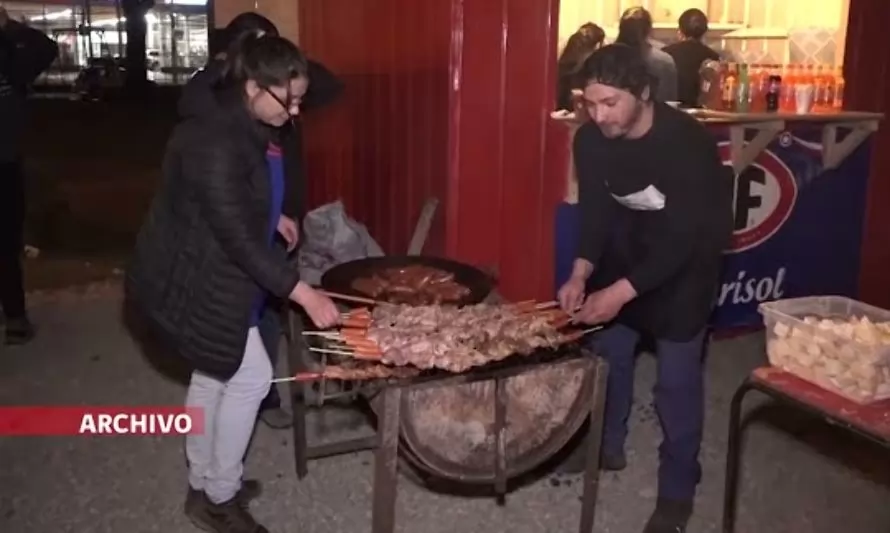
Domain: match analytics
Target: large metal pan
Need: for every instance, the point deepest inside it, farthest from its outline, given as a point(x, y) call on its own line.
point(340, 278)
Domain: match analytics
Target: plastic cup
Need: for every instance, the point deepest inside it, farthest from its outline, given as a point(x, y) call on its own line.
point(804, 94)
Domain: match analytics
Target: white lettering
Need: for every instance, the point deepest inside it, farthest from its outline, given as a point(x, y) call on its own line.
point(87, 424)
point(166, 423)
point(183, 424)
point(119, 419)
point(105, 422)
point(140, 424)
point(746, 290)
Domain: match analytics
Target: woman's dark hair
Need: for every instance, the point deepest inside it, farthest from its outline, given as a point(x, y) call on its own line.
point(269, 60)
point(244, 24)
point(635, 27)
point(620, 66)
point(580, 45)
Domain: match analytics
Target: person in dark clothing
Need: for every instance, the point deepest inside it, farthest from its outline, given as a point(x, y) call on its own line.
point(635, 30)
point(204, 265)
point(655, 206)
point(323, 88)
point(24, 54)
point(689, 53)
point(579, 46)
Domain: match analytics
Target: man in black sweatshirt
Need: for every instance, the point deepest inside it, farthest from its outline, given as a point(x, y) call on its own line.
point(655, 206)
point(24, 54)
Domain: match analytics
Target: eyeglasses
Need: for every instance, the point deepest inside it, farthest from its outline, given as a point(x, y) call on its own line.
point(287, 103)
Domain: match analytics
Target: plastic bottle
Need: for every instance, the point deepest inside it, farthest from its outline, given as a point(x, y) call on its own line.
point(743, 93)
point(759, 99)
point(773, 96)
point(790, 78)
point(839, 85)
point(730, 87)
point(824, 95)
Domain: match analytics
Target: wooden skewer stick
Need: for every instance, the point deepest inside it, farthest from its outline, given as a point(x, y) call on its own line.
point(348, 298)
point(324, 334)
point(305, 376)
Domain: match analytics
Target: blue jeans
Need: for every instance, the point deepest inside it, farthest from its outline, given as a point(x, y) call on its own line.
point(270, 331)
point(679, 401)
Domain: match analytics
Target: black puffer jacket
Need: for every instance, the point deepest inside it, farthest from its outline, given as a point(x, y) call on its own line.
point(197, 100)
point(203, 255)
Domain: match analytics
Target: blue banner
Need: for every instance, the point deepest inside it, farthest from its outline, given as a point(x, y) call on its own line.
point(798, 228)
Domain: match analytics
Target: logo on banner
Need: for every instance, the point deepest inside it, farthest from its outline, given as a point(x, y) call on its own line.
point(764, 197)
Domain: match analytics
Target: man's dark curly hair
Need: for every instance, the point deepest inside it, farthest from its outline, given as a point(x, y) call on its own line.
point(620, 66)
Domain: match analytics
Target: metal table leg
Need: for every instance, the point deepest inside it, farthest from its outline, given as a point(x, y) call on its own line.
point(295, 364)
point(730, 490)
point(386, 459)
point(594, 441)
point(500, 444)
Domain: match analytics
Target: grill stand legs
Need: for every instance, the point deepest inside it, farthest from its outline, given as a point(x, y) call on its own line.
point(298, 391)
point(500, 448)
point(732, 458)
point(594, 440)
point(386, 459)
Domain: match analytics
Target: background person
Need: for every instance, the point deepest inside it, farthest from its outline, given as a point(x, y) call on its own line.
point(689, 53)
point(24, 54)
point(635, 30)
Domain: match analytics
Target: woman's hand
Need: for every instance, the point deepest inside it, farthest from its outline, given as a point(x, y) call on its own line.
point(320, 308)
point(289, 231)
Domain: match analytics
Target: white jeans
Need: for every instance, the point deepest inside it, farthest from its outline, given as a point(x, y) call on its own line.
point(230, 410)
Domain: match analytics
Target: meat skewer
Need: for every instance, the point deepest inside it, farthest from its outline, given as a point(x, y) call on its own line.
point(352, 374)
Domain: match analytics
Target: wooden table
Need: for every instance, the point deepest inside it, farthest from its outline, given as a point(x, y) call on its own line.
point(870, 421)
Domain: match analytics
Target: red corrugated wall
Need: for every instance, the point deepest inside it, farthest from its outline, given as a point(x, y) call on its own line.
point(867, 72)
point(447, 98)
point(382, 147)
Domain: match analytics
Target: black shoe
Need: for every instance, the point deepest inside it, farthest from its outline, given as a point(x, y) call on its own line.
point(18, 331)
point(613, 462)
point(228, 517)
point(251, 489)
point(670, 516)
point(576, 462)
point(276, 418)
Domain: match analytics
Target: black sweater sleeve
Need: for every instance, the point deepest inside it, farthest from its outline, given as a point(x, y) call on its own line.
point(687, 197)
point(35, 52)
point(594, 200)
point(218, 173)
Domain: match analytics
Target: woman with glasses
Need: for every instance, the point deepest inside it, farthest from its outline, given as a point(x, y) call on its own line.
point(197, 99)
point(204, 266)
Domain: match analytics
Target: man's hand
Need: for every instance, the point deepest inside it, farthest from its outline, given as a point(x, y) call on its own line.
point(602, 306)
point(289, 231)
point(571, 295)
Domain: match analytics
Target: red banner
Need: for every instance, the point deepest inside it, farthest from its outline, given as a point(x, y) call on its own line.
point(95, 420)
